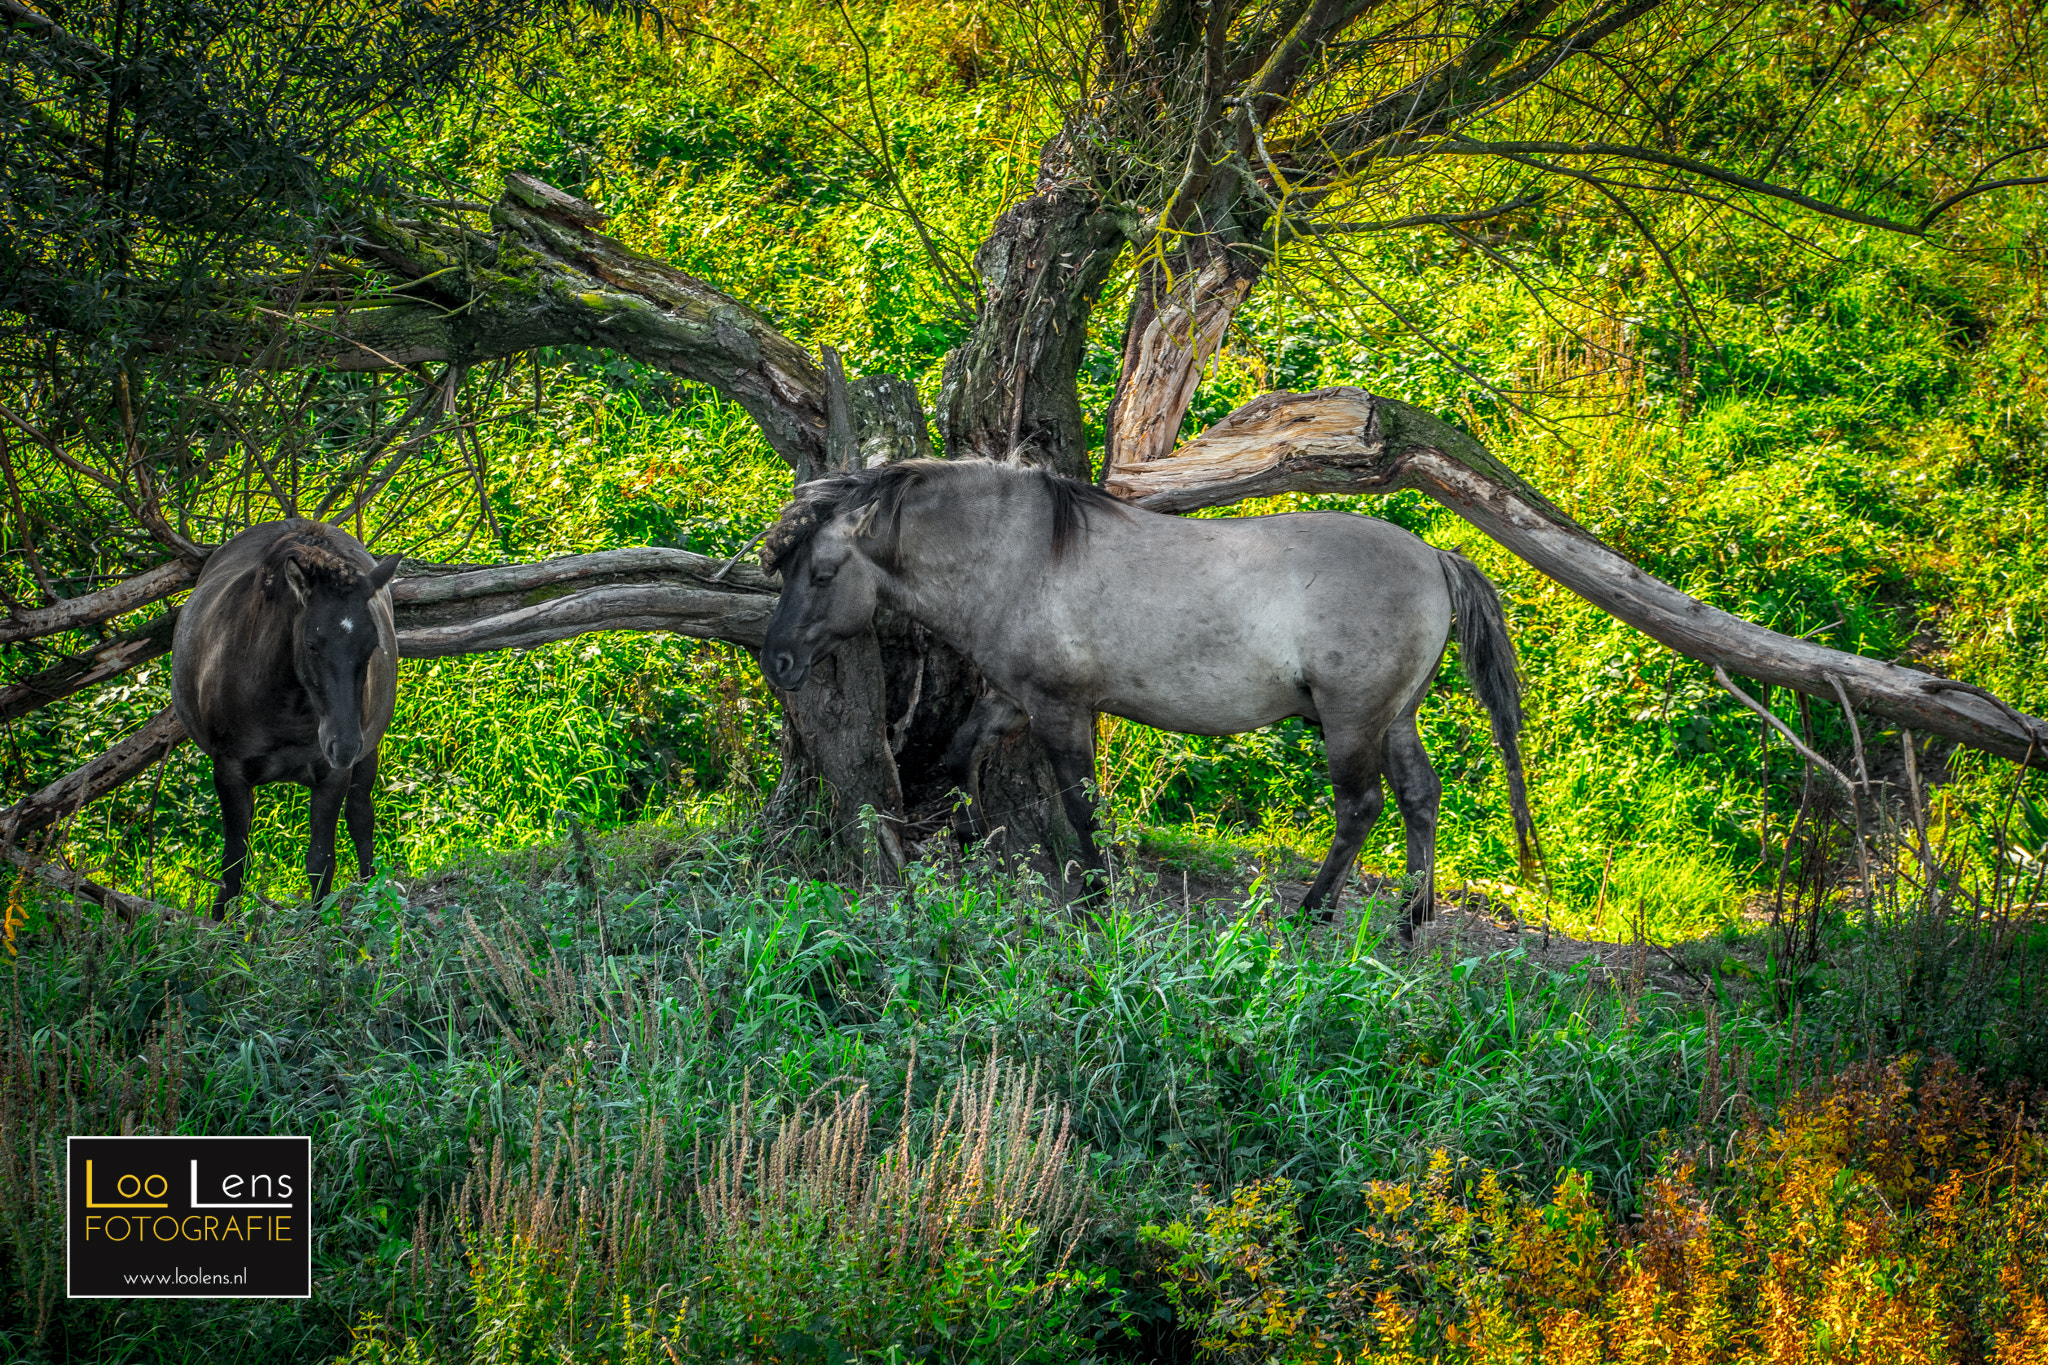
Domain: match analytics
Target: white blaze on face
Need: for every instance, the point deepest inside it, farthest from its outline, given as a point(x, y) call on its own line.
point(348, 625)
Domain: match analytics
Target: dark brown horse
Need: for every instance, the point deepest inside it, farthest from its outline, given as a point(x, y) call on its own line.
point(285, 669)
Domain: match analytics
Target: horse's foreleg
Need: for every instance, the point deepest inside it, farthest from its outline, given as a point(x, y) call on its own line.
point(1355, 781)
point(237, 813)
point(1069, 742)
point(994, 716)
point(1419, 794)
point(326, 813)
point(361, 814)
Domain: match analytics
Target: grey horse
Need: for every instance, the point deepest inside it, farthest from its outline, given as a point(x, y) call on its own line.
point(285, 669)
point(1072, 603)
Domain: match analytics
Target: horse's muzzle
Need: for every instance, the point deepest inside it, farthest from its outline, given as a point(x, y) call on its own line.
point(341, 752)
point(785, 670)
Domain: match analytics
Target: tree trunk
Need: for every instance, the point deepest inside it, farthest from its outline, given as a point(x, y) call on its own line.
point(1010, 393)
point(838, 766)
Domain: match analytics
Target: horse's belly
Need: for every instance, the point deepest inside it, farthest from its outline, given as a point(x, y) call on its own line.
point(1244, 704)
point(300, 764)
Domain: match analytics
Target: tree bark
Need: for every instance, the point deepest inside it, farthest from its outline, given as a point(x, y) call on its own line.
point(1009, 392)
point(108, 659)
point(836, 758)
point(518, 606)
point(1345, 440)
point(1177, 322)
point(73, 791)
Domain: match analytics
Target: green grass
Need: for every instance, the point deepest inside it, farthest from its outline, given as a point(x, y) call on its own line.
point(409, 1029)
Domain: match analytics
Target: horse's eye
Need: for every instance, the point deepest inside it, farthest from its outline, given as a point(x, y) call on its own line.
point(820, 577)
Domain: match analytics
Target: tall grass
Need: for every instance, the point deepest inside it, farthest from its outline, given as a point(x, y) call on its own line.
point(672, 978)
point(952, 1242)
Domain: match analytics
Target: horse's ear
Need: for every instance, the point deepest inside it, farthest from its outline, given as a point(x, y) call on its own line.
point(381, 575)
point(879, 545)
point(295, 579)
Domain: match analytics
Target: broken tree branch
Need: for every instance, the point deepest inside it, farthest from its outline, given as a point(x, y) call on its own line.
point(61, 878)
point(1345, 440)
point(545, 277)
point(108, 659)
point(151, 585)
point(80, 786)
point(1721, 676)
point(516, 606)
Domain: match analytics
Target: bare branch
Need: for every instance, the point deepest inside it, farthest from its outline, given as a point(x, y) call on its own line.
point(108, 659)
point(71, 883)
point(422, 417)
point(1721, 676)
point(565, 284)
point(1464, 146)
point(707, 614)
point(1944, 205)
point(1520, 201)
point(150, 585)
point(75, 789)
point(415, 413)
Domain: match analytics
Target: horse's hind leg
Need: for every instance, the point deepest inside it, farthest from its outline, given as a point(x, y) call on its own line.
point(1419, 794)
point(328, 792)
point(361, 814)
point(1355, 781)
point(237, 813)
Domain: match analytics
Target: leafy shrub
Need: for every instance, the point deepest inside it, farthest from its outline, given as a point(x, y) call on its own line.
point(1898, 1213)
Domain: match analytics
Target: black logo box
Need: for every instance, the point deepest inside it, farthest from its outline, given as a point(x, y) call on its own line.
point(189, 1218)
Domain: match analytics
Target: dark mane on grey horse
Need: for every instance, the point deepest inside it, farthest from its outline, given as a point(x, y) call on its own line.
point(885, 487)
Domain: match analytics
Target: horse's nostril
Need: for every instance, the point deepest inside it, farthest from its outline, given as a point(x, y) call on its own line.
point(785, 663)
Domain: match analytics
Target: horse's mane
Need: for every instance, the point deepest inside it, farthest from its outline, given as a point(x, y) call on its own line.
point(324, 556)
point(885, 486)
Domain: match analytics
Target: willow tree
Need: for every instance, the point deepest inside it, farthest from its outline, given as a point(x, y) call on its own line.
point(1205, 150)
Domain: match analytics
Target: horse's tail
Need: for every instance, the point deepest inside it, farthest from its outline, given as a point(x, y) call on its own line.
point(1489, 657)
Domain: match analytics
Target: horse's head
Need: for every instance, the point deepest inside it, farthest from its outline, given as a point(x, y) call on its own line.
point(830, 586)
point(334, 636)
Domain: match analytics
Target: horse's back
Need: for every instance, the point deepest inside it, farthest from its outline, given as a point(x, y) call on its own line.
point(1221, 625)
